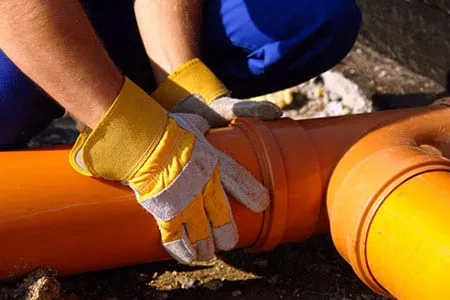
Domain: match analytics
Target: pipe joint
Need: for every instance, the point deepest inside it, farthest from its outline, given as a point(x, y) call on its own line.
point(372, 169)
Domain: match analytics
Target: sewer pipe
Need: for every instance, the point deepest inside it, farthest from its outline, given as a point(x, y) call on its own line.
point(50, 216)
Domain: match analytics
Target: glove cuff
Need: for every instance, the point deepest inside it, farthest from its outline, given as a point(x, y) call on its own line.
point(129, 131)
point(193, 77)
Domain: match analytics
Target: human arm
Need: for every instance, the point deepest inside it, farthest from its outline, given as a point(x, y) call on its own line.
point(53, 43)
point(171, 32)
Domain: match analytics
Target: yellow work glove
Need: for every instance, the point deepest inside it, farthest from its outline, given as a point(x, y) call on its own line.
point(193, 88)
point(176, 174)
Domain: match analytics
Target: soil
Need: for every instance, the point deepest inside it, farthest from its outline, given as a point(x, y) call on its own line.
point(310, 270)
point(388, 84)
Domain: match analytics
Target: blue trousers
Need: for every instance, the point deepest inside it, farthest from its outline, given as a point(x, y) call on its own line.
point(253, 46)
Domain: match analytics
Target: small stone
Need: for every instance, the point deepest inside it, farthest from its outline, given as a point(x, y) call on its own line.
point(186, 283)
point(155, 275)
point(380, 88)
point(236, 293)
point(174, 273)
point(346, 110)
point(382, 74)
point(213, 285)
point(44, 286)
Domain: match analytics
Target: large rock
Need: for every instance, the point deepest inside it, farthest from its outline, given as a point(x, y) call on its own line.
point(414, 32)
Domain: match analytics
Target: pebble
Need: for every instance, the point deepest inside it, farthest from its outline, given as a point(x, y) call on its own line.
point(213, 285)
point(186, 283)
point(236, 293)
point(382, 74)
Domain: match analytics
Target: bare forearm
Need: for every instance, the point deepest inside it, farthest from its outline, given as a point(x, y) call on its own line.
point(170, 30)
point(54, 44)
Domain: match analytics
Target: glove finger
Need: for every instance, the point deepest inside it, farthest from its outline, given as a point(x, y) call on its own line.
point(263, 110)
point(198, 231)
point(241, 185)
point(219, 213)
point(230, 108)
point(236, 179)
point(176, 241)
point(193, 105)
point(205, 249)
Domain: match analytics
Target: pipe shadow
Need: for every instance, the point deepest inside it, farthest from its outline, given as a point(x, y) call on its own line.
point(382, 102)
point(397, 101)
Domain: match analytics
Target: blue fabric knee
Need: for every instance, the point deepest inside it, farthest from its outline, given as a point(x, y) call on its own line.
point(24, 108)
point(260, 46)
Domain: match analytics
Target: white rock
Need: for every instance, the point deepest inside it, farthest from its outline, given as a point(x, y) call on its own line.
point(351, 94)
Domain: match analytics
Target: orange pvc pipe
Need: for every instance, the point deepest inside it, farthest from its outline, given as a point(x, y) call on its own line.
point(394, 185)
point(50, 216)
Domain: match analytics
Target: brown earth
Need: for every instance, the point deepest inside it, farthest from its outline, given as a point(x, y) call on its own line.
point(309, 270)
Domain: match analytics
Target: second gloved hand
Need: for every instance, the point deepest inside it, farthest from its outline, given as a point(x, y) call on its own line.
point(193, 88)
point(176, 174)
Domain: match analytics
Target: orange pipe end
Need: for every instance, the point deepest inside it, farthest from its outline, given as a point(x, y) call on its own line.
point(379, 165)
point(408, 242)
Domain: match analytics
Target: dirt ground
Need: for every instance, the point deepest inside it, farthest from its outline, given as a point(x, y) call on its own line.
point(310, 270)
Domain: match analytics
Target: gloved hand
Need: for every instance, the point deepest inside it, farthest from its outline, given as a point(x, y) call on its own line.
point(176, 174)
point(193, 88)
